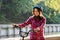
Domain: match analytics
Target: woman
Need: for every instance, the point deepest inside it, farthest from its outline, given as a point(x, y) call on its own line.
point(37, 22)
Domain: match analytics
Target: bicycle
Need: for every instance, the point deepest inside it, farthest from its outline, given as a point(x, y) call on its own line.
point(23, 34)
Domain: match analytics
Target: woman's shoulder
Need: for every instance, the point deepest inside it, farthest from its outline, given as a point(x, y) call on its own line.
point(31, 16)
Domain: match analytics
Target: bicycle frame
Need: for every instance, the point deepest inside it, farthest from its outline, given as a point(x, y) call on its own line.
point(25, 34)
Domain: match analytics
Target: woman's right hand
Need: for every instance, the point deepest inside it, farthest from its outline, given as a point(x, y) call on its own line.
point(15, 25)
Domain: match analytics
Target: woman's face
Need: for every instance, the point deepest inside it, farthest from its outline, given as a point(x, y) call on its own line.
point(35, 12)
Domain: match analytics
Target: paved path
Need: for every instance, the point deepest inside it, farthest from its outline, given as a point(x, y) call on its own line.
point(47, 37)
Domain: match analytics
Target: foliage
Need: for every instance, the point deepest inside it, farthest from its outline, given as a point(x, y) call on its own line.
point(17, 11)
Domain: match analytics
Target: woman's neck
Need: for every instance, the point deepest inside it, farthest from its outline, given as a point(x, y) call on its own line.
point(37, 17)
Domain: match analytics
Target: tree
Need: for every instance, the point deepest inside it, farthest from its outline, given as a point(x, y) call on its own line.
point(17, 11)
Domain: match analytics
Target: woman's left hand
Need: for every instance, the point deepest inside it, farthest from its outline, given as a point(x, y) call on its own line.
point(36, 29)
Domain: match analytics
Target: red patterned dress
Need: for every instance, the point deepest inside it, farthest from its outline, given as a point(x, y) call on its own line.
point(36, 22)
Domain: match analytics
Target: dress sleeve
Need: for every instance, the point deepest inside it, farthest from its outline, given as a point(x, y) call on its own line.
point(43, 23)
point(27, 22)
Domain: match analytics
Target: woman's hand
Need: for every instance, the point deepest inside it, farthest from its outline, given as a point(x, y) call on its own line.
point(37, 29)
point(15, 25)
